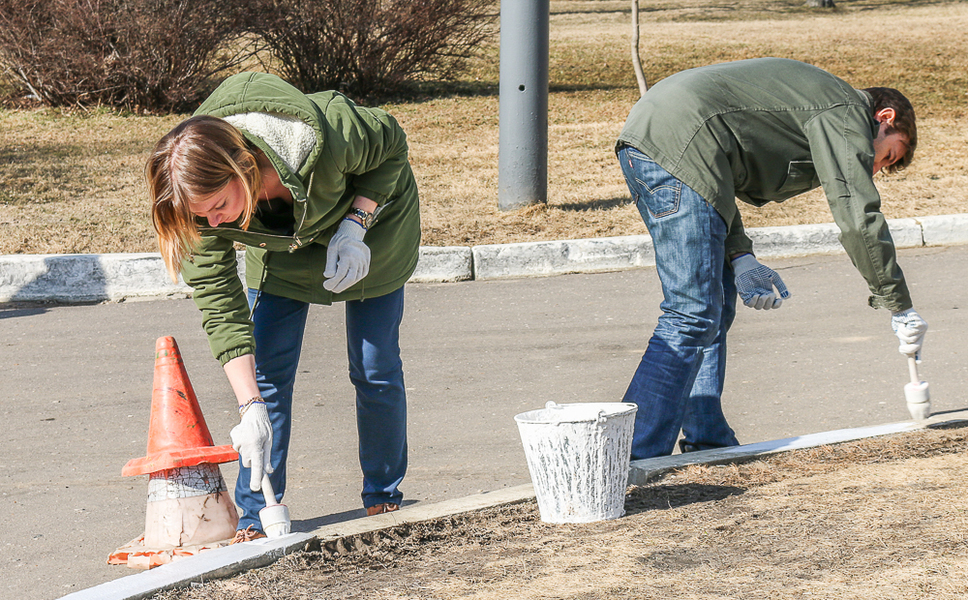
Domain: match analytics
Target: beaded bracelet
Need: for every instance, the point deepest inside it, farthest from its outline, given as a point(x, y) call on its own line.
point(248, 403)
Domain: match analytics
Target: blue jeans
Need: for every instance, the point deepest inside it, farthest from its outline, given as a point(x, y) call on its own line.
point(373, 349)
point(679, 382)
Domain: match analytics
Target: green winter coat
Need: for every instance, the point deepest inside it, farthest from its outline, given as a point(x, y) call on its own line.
point(767, 129)
point(326, 150)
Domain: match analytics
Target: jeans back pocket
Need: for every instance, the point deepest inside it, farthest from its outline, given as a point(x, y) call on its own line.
point(652, 187)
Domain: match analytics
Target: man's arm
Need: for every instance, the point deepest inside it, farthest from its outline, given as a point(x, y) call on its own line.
point(843, 155)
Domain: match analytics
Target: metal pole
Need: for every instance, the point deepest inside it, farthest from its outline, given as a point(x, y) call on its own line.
point(523, 113)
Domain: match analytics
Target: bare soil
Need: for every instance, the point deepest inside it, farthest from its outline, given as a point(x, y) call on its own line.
point(879, 518)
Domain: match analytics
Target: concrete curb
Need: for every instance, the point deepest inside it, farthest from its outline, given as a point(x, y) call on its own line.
point(231, 560)
point(644, 471)
point(212, 564)
point(499, 261)
point(94, 278)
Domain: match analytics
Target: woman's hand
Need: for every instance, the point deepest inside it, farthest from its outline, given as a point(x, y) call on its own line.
point(252, 437)
point(348, 258)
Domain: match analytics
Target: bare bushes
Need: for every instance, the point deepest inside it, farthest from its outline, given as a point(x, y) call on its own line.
point(143, 55)
point(162, 55)
point(372, 47)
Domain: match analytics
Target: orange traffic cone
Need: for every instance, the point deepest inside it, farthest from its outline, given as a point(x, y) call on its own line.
point(189, 507)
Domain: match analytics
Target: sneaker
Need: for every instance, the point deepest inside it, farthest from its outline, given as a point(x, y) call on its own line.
point(247, 535)
point(379, 509)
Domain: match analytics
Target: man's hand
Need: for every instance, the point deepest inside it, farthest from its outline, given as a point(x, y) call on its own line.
point(910, 329)
point(755, 283)
point(252, 439)
point(347, 258)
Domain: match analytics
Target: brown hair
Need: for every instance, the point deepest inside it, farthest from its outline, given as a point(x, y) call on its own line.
point(194, 160)
point(904, 121)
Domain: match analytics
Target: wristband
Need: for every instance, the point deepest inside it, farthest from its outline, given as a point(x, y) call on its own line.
point(366, 218)
point(355, 221)
point(248, 403)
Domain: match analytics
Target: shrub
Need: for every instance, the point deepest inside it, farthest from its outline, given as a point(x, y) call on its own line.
point(372, 47)
point(141, 55)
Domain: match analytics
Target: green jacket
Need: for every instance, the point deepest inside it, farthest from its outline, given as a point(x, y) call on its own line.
point(326, 151)
point(767, 129)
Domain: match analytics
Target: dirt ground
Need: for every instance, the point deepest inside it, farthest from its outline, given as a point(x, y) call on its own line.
point(876, 519)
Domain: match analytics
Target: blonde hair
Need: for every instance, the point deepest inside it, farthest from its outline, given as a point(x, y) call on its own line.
point(194, 160)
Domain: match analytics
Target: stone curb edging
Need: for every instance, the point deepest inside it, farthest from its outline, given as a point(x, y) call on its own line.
point(642, 472)
point(231, 560)
point(99, 277)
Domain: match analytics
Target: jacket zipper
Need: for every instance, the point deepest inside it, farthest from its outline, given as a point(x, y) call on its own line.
point(296, 242)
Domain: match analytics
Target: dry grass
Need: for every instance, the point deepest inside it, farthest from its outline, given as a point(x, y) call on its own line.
point(878, 518)
point(72, 182)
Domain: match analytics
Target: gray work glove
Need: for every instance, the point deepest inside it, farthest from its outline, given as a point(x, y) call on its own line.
point(252, 439)
point(755, 283)
point(910, 329)
point(347, 258)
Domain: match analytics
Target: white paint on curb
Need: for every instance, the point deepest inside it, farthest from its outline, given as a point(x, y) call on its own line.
point(772, 242)
point(443, 264)
point(802, 240)
point(528, 259)
point(945, 230)
point(80, 277)
point(99, 277)
point(643, 471)
point(205, 566)
point(231, 560)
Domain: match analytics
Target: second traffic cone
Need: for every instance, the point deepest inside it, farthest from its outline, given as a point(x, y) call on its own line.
point(189, 507)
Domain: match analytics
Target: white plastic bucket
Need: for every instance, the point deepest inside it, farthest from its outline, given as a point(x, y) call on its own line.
point(578, 456)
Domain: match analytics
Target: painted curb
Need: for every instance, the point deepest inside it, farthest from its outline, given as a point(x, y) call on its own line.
point(212, 564)
point(945, 230)
point(443, 264)
point(644, 471)
point(99, 277)
point(528, 259)
point(231, 560)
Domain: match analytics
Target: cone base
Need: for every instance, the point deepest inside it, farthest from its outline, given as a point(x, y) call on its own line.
point(135, 555)
point(193, 521)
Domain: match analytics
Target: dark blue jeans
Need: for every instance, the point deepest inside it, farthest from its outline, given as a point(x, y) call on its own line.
point(373, 350)
point(679, 382)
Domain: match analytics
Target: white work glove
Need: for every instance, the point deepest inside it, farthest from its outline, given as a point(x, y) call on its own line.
point(347, 258)
point(252, 439)
point(910, 329)
point(755, 283)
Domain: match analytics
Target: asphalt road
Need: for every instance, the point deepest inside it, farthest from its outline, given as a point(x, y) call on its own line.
point(76, 388)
